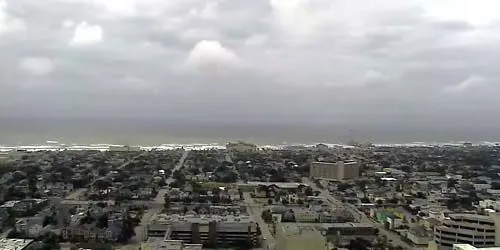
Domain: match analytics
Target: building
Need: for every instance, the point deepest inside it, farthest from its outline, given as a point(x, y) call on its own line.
point(268, 189)
point(305, 215)
point(292, 236)
point(343, 233)
point(241, 147)
point(14, 244)
point(470, 247)
point(336, 171)
point(31, 227)
point(472, 229)
point(155, 243)
point(89, 233)
point(209, 230)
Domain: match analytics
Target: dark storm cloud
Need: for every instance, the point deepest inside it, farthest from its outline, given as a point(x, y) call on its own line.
point(323, 61)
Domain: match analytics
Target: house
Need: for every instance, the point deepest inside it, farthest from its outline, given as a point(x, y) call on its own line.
point(31, 227)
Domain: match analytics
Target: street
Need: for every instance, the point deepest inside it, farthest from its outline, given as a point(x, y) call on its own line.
point(363, 218)
point(155, 206)
point(255, 211)
point(177, 167)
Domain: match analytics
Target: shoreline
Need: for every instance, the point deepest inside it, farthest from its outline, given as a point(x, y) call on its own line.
point(56, 146)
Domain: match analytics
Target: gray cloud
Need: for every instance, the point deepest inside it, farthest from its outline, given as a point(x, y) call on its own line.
point(324, 61)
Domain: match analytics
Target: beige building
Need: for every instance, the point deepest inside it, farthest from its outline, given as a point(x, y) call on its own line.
point(292, 236)
point(477, 230)
point(337, 171)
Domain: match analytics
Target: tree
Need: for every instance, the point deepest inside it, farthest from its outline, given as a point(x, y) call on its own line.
point(359, 244)
point(127, 230)
point(495, 185)
point(49, 241)
point(451, 183)
point(166, 200)
point(308, 191)
point(267, 216)
point(102, 221)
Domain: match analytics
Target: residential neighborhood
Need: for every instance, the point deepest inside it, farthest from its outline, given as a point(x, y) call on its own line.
point(248, 197)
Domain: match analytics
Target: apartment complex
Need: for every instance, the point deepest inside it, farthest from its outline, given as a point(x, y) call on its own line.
point(292, 236)
point(476, 230)
point(340, 170)
point(212, 230)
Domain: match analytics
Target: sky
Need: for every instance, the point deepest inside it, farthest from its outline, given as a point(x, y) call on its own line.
point(407, 62)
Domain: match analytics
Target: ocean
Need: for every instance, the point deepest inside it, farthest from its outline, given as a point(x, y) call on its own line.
point(148, 132)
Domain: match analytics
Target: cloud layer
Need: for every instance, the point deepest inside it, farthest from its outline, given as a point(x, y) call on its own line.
point(310, 61)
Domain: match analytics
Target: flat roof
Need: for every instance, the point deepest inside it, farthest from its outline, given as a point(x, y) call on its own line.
point(278, 184)
point(14, 244)
point(164, 218)
point(347, 225)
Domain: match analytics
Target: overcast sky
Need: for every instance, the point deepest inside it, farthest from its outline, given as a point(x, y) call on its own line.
point(318, 61)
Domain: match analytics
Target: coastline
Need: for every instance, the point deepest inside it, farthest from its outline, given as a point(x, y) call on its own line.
point(56, 146)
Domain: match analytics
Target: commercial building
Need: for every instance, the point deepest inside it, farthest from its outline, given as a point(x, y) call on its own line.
point(210, 230)
point(472, 229)
point(293, 236)
point(335, 170)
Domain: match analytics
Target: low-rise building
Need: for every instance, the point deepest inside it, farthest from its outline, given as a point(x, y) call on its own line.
point(210, 230)
point(31, 227)
point(15, 244)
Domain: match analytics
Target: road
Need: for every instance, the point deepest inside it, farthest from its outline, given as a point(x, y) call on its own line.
point(363, 218)
point(75, 195)
point(156, 204)
point(177, 167)
point(125, 164)
point(256, 212)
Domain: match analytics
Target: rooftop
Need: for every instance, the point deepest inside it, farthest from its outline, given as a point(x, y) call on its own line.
point(14, 244)
point(164, 218)
point(470, 247)
point(278, 184)
point(291, 229)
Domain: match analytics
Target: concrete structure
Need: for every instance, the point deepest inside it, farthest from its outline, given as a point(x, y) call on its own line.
point(208, 230)
point(166, 244)
point(14, 244)
point(292, 236)
point(472, 229)
point(470, 247)
point(335, 171)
